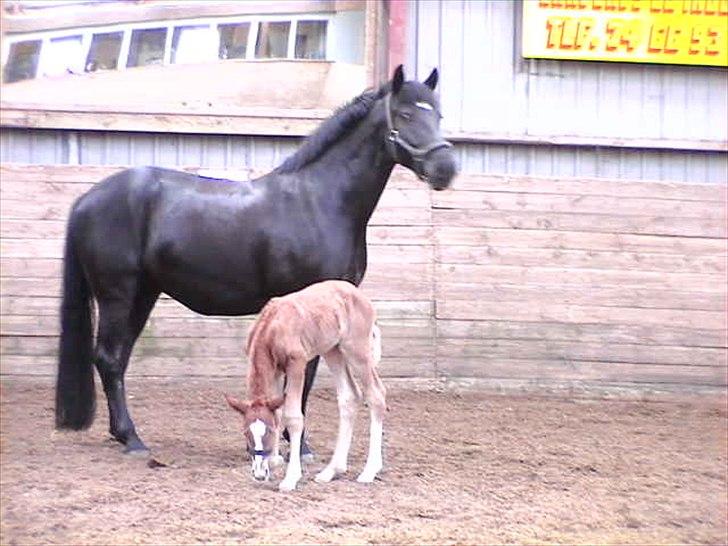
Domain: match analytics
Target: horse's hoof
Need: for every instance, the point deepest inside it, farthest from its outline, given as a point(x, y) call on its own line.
point(137, 448)
point(287, 485)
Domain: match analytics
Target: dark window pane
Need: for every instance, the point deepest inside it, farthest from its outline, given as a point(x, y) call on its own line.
point(233, 40)
point(104, 51)
point(193, 44)
point(22, 61)
point(311, 40)
point(272, 40)
point(147, 47)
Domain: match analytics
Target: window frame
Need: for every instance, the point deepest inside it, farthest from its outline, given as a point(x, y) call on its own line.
point(87, 33)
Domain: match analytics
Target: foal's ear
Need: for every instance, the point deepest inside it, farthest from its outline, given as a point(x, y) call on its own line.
point(397, 79)
point(275, 403)
point(431, 80)
point(237, 405)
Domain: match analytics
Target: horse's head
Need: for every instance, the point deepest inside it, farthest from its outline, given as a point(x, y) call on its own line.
point(413, 130)
point(260, 429)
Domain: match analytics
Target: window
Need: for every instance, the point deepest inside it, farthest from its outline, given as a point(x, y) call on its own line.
point(194, 44)
point(22, 61)
point(272, 40)
point(311, 40)
point(63, 56)
point(147, 47)
point(116, 47)
point(104, 51)
point(233, 40)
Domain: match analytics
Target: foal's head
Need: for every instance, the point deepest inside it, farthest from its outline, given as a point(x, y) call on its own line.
point(413, 122)
point(260, 430)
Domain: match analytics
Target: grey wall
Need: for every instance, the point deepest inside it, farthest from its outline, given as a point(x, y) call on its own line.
point(487, 89)
point(487, 86)
point(230, 152)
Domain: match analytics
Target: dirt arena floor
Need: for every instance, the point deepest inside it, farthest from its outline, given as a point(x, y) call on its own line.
point(467, 468)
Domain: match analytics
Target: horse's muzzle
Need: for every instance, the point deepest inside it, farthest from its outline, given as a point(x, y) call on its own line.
point(439, 169)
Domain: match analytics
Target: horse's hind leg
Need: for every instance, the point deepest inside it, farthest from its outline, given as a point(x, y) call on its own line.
point(364, 355)
point(121, 320)
point(346, 399)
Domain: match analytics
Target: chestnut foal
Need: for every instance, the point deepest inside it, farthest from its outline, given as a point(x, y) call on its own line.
point(332, 319)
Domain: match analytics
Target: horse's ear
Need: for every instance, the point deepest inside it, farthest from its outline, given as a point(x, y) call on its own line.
point(431, 80)
point(397, 79)
point(237, 405)
point(275, 403)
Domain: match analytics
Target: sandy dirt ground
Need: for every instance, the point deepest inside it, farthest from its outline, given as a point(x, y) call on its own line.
point(460, 468)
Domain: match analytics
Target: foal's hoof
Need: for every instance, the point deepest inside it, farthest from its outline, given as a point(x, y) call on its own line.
point(307, 455)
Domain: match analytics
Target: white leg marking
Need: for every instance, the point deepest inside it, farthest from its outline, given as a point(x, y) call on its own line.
point(374, 459)
point(347, 406)
point(293, 471)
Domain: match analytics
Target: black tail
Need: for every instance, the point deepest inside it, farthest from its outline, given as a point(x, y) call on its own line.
point(75, 390)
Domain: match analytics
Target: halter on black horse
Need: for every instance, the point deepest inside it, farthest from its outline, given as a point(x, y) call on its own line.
point(395, 142)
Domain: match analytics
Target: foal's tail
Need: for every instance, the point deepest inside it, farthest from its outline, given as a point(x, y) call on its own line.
point(75, 392)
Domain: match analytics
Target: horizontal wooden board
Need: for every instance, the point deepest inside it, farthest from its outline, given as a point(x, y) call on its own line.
point(162, 366)
point(201, 327)
point(560, 276)
point(539, 371)
point(648, 223)
point(578, 314)
point(576, 204)
point(599, 186)
point(579, 259)
point(584, 351)
point(603, 296)
point(645, 334)
point(200, 348)
point(445, 235)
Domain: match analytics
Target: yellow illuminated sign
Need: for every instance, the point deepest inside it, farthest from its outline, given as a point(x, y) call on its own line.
point(637, 31)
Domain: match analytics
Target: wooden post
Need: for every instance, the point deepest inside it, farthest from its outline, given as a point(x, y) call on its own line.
point(397, 33)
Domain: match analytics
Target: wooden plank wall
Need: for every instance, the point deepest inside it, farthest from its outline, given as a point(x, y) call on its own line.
point(506, 280)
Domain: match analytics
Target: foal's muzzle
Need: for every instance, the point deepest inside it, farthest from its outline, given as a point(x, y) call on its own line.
point(260, 468)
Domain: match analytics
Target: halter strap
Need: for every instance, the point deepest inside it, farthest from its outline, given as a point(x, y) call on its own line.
point(393, 140)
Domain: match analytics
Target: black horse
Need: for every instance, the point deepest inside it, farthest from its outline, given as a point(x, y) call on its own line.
point(225, 248)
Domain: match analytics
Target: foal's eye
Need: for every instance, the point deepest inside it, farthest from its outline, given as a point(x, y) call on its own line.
point(405, 115)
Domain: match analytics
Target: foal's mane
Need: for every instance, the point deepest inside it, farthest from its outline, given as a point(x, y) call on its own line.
point(340, 122)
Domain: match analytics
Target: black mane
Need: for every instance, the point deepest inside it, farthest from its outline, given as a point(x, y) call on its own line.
point(331, 130)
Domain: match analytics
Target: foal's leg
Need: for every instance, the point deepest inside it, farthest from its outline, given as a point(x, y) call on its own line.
point(307, 453)
point(376, 395)
point(366, 357)
point(293, 419)
point(346, 399)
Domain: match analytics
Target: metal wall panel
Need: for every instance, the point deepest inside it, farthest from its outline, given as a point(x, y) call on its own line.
point(237, 152)
point(486, 86)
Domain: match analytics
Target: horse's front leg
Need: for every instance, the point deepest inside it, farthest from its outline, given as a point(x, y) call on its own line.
point(293, 419)
point(307, 454)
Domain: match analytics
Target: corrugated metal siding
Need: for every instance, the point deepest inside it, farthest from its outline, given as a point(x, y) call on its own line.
point(487, 87)
point(231, 152)
point(121, 148)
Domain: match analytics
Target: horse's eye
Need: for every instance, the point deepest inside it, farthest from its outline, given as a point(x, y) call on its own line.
point(405, 115)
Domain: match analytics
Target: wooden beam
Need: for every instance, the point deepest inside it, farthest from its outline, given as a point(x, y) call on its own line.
point(397, 33)
point(113, 13)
